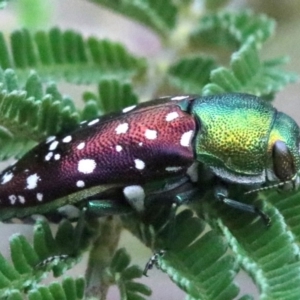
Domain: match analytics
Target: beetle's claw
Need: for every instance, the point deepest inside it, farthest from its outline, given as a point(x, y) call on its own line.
point(266, 219)
point(153, 261)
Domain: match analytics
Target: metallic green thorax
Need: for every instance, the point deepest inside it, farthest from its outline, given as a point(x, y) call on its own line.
point(236, 136)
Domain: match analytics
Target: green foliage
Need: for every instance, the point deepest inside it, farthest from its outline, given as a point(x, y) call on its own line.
point(3, 4)
point(248, 74)
point(29, 114)
point(67, 55)
point(202, 261)
point(200, 266)
point(191, 73)
point(124, 275)
point(267, 254)
point(232, 29)
point(30, 263)
point(37, 16)
point(215, 4)
point(113, 95)
point(69, 289)
point(157, 15)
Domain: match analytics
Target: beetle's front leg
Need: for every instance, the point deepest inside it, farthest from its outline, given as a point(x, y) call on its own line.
point(221, 194)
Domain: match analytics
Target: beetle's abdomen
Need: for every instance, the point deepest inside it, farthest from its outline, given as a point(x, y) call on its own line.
point(140, 145)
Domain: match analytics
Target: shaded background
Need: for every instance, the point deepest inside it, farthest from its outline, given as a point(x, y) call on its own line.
point(90, 19)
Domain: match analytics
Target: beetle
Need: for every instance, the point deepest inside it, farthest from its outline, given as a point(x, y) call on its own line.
point(108, 163)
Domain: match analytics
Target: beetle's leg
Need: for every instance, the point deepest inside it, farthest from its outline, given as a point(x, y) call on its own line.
point(181, 192)
point(153, 261)
point(188, 191)
point(180, 195)
point(110, 202)
point(106, 207)
point(221, 194)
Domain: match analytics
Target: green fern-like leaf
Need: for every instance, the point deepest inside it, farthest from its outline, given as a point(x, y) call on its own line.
point(113, 96)
point(29, 114)
point(65, 54)
point(30, 264)
point(199, 266)
point(69, 289)
point(191, 74)
point(159, 16)
point(268, 254)
point(289, 206)
point(124, 276)
point(232, 29)
point(196, 261)
point(249, 75)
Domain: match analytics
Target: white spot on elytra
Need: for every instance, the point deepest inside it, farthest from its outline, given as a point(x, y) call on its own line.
point(12, 199)
point(139, 164)
point(86, 166)
point(57, 156)
point(32, 181)
point(80, 184)
point(179, 98)
point(83, 122)
point(151, 134)
point(140, 144)
point(7, 177)
point(50, 139)
point(173, 169)
point(48, 156)
point(53, 145)
point(186, 138)
point(67, 139)
point(39, 196)
point(172, 116)
point(122, 128)
point(135, 195)
point(119, 148)
point(129, 108)
point(81, 146)
point(21, 199)
point(93, 122)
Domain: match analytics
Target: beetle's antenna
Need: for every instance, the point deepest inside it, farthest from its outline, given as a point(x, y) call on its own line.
point(270, 187)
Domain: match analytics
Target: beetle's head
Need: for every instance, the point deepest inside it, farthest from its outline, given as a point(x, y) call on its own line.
point(283, 163)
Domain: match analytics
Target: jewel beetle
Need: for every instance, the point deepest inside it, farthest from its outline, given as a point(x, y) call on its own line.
point(108, 164)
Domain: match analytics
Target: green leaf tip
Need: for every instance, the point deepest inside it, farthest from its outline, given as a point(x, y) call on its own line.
point(155, 14)
point(232, 29)
point(248, 74)
point(191, 74)
point(113, 95)
point(69, 288)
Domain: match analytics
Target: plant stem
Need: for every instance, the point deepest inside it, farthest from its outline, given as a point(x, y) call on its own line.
point(98, 278)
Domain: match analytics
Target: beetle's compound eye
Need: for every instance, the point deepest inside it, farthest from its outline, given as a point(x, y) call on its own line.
point(283, 162)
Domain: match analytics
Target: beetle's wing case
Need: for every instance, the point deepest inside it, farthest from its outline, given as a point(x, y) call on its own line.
point(144, 143)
